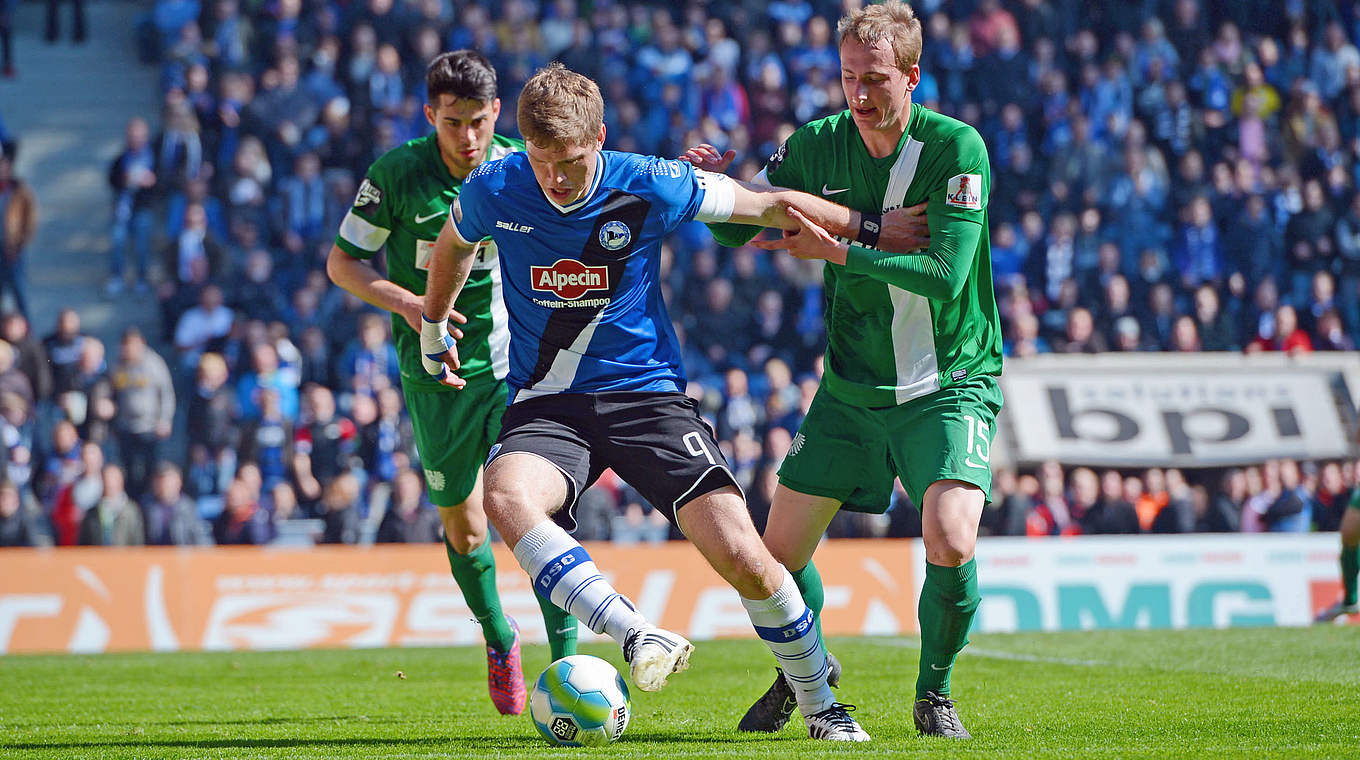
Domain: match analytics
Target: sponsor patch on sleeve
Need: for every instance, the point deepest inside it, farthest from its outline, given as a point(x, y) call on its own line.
point(964, 191)
point(369, 194)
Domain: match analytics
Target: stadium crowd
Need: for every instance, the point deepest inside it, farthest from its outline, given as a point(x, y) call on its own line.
point(1170, 175)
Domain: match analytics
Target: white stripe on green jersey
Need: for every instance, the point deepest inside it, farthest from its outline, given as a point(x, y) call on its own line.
point(898, 326)
point(402, 204)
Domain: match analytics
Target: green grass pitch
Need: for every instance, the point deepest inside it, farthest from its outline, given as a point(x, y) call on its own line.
point(1285, 693)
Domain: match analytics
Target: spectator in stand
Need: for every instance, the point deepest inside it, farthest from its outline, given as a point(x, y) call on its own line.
point(326, 440)
point(267, 443)
point(1331, 336)
point(1286, 337)
point(1185, 336)
point(30, 356)
point(1292, 511)
point(1051, 515)
point(202, 327)
point(171, 517)
point(63, 350)
point(340, 510)
point(1181, 510)
point(370, 360)
point(114, 520)
point(409, 519)
point(62, 466)
point(242, 520)
point(1082, 337)
point(89, 403)
point(13, 382)
point(18, 225)
point(133, 179)
point(1199, 257)
point(1216, 330)
point(265, 373)
point(145, 399)
point(1110, 513)
point(16, 523)
point(1224, 514)
point(212, 412)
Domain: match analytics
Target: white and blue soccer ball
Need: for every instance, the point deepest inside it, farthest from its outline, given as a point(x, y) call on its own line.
point(580, 701)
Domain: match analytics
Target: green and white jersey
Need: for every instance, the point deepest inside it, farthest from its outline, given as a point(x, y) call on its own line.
point(900, 326)
point(402, 203)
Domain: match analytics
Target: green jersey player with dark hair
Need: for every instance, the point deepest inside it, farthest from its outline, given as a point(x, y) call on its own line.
point(401, 205)
point(914, 345)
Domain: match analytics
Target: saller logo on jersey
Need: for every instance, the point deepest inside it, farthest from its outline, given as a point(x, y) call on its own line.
point(569, 279)
point(964, 191)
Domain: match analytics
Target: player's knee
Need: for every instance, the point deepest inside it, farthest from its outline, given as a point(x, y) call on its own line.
point(503, 497)
point(949, 551)
point(464, 539)
point(749, 572)
point(464, 531)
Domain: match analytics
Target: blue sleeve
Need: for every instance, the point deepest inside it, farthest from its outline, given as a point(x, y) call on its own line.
point(676, 190)
point(469, 211)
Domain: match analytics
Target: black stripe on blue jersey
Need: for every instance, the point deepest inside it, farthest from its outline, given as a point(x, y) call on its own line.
point(565, 325)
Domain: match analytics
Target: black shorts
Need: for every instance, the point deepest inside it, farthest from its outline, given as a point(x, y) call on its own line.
point(655, 441)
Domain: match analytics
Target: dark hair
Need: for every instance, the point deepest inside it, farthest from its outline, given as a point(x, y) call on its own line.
point(464, 74)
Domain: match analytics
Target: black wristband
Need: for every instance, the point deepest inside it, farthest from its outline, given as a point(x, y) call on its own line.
point(869, 227)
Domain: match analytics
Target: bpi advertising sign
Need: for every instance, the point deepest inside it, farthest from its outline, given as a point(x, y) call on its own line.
point(1151, 416)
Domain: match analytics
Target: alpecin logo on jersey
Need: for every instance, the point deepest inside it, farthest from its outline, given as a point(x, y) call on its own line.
point(569, 279)
point(615, 235)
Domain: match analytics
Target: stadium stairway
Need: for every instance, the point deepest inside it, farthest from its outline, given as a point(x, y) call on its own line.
point(68, 107)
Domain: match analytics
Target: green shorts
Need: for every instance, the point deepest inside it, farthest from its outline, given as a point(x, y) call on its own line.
point(454, 431)
point(851, 453)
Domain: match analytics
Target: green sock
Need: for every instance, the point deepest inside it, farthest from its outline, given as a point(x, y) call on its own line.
point(949, 600)
point(475, 573)
point(1350, 566)
point(810, 586)
point(561, 628)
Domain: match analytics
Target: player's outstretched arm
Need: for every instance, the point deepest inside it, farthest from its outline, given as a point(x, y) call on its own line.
point(361, 279)
point(450, 265)
point(939, 273)
point(901, 230)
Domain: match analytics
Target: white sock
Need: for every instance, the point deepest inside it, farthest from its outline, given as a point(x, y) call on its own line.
point(562, 571)
point(785, 624)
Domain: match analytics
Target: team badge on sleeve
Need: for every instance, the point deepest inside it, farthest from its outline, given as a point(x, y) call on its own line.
point(964, 191)
point(369, 194)
point(777, 157)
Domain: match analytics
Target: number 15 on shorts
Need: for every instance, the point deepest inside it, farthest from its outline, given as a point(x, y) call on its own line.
point(979, 436)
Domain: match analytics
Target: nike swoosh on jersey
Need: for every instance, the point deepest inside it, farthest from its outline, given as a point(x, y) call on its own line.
point(828, 191)
point(423, 219)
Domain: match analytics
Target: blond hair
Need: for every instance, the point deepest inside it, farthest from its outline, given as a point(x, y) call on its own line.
point(894, 21)
point(560, 107)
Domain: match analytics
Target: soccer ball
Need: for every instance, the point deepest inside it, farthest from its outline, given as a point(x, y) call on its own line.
point(580, 701)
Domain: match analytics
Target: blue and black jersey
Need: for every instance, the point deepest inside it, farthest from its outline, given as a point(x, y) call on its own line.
point(581, 281)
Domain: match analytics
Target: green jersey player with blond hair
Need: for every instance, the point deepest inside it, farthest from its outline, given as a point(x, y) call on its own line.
point(401, 205)
point(913, 353)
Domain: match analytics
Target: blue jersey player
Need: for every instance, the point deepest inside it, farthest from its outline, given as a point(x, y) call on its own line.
point(595, 375)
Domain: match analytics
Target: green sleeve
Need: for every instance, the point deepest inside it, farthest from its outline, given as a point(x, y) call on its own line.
point(957, 209)
point(782, 169)
point(369, 221)
point(938, 273)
